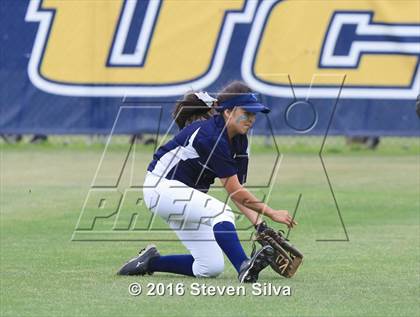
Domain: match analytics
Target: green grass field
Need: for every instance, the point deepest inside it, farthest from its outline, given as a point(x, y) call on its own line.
point(375, 273)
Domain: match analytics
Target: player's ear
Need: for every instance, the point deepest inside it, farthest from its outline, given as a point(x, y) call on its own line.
point(227, 113)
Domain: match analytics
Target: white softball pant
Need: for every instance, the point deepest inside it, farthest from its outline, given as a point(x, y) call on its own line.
point(192, 215)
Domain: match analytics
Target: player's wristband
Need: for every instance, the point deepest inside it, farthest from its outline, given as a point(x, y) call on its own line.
point(261, 226)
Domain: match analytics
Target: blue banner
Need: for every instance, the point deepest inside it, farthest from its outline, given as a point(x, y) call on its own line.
point(76, 67)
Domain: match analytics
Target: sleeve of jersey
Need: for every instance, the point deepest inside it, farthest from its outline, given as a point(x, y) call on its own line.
point(217, 156)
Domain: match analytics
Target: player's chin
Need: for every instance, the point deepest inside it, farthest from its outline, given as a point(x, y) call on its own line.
point(245, 130)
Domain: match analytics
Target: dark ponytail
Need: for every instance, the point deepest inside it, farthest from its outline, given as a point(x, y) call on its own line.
point(191, 109)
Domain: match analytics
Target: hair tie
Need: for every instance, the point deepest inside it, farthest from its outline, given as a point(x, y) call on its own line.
point(206, 98)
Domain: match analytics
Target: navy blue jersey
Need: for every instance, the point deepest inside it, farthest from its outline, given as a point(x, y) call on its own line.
point(201, 152)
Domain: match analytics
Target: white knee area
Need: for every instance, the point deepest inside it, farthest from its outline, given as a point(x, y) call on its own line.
point(213, 267)
point(226, 215)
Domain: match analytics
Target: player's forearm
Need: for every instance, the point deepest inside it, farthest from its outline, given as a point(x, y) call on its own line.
point(245, 198)
point(253, 216)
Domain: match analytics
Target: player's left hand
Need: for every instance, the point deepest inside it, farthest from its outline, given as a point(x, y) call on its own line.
point(287, 258)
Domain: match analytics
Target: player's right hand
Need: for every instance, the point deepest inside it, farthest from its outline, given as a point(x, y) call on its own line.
point(283, 216)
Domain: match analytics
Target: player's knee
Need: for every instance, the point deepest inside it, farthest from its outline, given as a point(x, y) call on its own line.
point(216, 268)
point(227, 215)
point(211, 268)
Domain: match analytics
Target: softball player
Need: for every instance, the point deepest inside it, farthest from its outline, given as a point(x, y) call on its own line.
point(180, 175)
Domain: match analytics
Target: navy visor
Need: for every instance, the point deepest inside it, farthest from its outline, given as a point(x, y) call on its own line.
point(249, 102)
